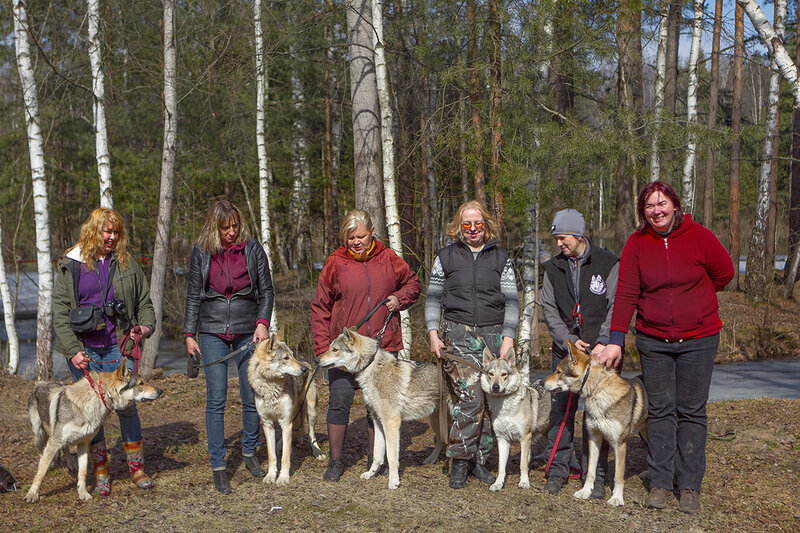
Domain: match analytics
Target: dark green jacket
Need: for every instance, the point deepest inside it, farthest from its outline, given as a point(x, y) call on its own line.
point(130, 284)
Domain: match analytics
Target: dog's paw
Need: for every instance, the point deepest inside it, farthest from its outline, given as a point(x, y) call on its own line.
point(616, 501)
point(496, 486)
point(393, 484)
point(282, 480)
point(32, 497)
point(368, 474)
point(583, 494)
point(320, 457)
point(270, 477)
point(84, 495)
point(524, 484)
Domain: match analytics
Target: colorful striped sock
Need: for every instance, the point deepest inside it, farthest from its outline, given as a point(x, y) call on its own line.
point(99, 455)
point(133, 450)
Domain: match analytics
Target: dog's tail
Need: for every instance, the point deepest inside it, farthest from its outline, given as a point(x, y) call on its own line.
point(39, 434)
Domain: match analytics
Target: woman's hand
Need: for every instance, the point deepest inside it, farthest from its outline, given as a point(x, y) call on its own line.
point(192, 347)
point(80, 360)
point(582, 346)
point(260, 334)
point(436, 343)
point(507, 344)
point(393, 304)
point(610, 356)
point(142, 331)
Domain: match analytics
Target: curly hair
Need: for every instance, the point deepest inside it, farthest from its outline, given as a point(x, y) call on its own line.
point(219, 214)
point(91, 236)
point(492, 227)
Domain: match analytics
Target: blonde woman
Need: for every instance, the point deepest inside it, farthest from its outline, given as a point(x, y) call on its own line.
point(228, 303)
point(473, 283)
point(99, 274)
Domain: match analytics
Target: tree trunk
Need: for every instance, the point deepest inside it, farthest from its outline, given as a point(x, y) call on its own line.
point(331, 185)
point(427, 202)
point(387, 137)
point(713, 105)
point(168, 154)
point(794, 196)
point(99, 107)
point(530, 278)
point(757, 276)
point(496, 105)
point(479, 178)
point(661, 71)
point(736, 144)
point(301, 175)
point(687, 199)
point(462, 150)
point(673, 43)
point(264, 169)
point(366, 112)
point(41, 211)
point(8, 316)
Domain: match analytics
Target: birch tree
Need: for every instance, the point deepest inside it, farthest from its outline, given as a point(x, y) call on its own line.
point(794, 196)
point(99, 106)
point(387, 138)
point(713, 105)
point(168, 155)
point(264, 169)
point(12, 362)
point(661, 73)
point(41, 212)
point(366, 113)
point(301, 173)
point(687, 199)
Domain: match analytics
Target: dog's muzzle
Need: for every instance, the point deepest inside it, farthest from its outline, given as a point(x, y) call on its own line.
point(495, 388)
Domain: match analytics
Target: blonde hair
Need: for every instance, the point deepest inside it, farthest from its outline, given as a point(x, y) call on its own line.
point(91, 236)
point(491, 226)
point(219, 213)
point(353, 219)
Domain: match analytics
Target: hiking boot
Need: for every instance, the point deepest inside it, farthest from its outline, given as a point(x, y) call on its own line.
point(554, 484)
point(221, 482)
point(598, 490)
point(481, 472)
point(458, 474)
point(252, 465)
point(334, 470)
point(657, 498)
point(690, 501)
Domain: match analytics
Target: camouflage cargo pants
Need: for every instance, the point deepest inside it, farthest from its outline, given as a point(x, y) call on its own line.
point(471, 433)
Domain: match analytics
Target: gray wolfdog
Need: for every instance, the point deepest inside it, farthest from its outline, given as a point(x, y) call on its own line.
point(70, 415)
point(614, 408)
point(520, 413)
point(394, 390)
point(278, 381)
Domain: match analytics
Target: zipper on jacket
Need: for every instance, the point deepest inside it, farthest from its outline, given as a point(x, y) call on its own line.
point(474, 289)
point(228, 298)
point(369, 300)
point(669, 276)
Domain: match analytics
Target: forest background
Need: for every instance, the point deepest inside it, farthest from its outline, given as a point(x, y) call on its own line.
point(532, 106)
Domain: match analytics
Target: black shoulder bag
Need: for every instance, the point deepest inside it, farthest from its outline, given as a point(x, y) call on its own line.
point(86, 318)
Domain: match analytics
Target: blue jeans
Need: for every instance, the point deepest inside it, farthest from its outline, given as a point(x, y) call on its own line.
point(129, 424)
point(213, 349)
point(677, 378)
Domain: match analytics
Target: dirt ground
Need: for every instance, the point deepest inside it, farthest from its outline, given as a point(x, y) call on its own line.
point(750, 485)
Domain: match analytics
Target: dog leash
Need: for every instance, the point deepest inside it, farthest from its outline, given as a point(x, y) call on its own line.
point(305, 392)
point(136, 349)
point(97, 390)
point(248, 346)
point(575, 474)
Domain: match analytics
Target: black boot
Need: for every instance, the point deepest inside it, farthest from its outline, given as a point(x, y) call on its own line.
point(221, 481)
point(334, 470)
point(458, 474)
point(252, 465)
point(482, 473)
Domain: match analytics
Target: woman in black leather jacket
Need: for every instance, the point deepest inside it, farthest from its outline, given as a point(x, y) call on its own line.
point(228, 303)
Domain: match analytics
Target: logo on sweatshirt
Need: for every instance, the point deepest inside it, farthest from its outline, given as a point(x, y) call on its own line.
point(597, 286)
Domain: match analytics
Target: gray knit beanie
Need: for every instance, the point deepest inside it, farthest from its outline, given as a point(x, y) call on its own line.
point(568, 222)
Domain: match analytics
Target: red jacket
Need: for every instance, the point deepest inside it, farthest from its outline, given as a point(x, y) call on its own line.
point(672, 283)
point(348, 289)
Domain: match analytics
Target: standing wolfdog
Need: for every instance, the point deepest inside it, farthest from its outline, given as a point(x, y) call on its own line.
point(614, 409)
point(66, 415)
point(519, 413)
point(394, 390)
point(278, 381)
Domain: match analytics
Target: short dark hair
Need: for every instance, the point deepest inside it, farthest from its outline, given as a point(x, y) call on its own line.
point(664, 188)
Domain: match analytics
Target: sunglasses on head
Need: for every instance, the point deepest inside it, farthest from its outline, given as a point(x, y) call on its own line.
point(467, 225)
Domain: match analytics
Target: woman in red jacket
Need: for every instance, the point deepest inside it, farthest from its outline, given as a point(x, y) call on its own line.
point(670, 271)
point(357, 276)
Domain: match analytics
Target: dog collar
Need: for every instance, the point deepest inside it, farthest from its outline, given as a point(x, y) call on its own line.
point(98, 390)
point(584, 380)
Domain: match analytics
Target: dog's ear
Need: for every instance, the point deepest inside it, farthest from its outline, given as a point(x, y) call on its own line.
point(273, 340)
point(348, 335)
point(573, 352)
point(488, 357)
point(281, 332)
point(511, 357)
point(122, 369)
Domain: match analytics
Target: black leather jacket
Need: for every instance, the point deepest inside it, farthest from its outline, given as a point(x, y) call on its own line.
point(208, 311)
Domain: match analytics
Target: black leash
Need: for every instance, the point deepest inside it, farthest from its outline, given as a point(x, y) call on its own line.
point(250, 345)
point(305, 392)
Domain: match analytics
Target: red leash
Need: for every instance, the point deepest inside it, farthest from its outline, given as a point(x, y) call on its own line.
point(574, 474)
point(98, 390)
point(136, 351)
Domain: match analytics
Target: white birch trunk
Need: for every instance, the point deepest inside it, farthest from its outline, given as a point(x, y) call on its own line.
point(301, 174)
point(168, 154)
point(8, 314)
point(756, 257)
point(264, 170)
point(99, 107)
point(691, 110)
point(387, 142)
point(661, 75)
point(774, 45)
point(41, 214)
